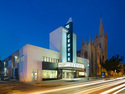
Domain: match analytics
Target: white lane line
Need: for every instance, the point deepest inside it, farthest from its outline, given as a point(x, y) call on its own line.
point(71, 87)
point(113, 89)
point(103, 86)
point(119, 91)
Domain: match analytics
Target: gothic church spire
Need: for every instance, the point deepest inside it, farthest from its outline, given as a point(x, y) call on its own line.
point(89, 39)
point(82, 42)
point(101, 29)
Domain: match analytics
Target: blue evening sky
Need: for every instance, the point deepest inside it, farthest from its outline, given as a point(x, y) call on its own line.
point(30, 22)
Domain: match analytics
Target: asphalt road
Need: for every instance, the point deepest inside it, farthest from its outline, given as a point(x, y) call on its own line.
point(92, 87)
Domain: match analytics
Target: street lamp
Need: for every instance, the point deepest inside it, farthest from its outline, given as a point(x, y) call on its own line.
point(115, 73)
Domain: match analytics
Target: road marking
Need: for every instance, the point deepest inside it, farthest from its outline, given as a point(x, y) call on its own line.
point(119, 91)
point(113, 89)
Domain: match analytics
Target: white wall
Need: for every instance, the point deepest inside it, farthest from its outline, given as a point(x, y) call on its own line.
point(85, 62)
point(34, 59)
point(23, 65)
point(58, 42)
point(56, 39)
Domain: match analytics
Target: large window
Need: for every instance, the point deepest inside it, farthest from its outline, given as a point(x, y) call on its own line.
point(49, 74)
point(49, 59)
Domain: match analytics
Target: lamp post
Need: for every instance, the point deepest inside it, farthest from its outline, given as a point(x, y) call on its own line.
point(115, 73)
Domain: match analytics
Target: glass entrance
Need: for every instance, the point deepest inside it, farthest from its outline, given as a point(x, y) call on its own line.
point(34, 75)
point(67, 74)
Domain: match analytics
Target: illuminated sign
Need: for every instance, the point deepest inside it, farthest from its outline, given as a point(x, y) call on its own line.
point(69, 43)
point(67, 26)
point(70, 65)
point(82, 73)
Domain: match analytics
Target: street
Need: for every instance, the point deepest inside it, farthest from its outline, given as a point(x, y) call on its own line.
point(97, 86)
point(92, 87)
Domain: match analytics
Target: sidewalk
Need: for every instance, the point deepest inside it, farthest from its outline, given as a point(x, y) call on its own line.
point(61, 82)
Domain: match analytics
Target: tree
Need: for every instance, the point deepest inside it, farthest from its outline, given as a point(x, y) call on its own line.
point(94, 73)
point(124, 68)
point(107, 65)
point(112, 64)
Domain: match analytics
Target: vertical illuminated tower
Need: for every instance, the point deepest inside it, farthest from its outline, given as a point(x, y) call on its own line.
point(63, 40)
point(69, 43)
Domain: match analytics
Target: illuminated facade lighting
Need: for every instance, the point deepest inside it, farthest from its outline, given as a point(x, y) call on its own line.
point(32, 63)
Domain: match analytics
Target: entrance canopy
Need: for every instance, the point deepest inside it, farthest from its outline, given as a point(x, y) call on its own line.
point(70, 65)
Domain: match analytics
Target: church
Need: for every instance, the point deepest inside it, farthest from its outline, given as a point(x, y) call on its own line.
point(95, 51)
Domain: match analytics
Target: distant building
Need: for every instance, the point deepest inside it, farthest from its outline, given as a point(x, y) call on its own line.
point(95, 50)
point(32, 63)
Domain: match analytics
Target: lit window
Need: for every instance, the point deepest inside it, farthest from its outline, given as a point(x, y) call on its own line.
point(53, 60)
point(68, 49)
point(47, 59)
point(4, 63)
point(49, 73)
point(68, 36)
point(68, 59)
point(50, 59)
point(68, 54)
point(44, 58)
point(68, 40)
point(67, 26)
point(22, 58)
point(68, 45)
point(5, 69)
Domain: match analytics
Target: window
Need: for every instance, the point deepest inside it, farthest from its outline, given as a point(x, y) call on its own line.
point(68, 40)
point(48, 59)
point(49, 74)
point(68, 36)
point(67, 26)
point(34, 75)
point(22, 58)
point(68, 59)
point(68, 49)
point(53, 60)
point(68, 45)
point(68, 54)
point(4, 64)
point(57, 60)
point(44, 58)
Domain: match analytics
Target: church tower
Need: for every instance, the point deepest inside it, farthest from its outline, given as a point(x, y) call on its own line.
point(102, 41)
point(101, 29)
point(95, 51)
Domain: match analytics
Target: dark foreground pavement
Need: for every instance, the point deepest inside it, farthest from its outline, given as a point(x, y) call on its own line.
point(16, 87)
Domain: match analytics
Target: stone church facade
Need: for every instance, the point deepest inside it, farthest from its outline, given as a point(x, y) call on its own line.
point(95, 50)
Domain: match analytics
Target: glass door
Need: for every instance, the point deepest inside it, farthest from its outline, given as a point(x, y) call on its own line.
point(67, 74)
point(34, 75)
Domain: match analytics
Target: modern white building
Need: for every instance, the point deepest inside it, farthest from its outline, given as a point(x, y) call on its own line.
point(32, 63)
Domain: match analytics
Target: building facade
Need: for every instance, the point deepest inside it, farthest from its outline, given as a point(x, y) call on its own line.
point(95, 51)
point(32, 63)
